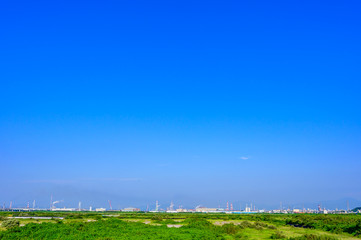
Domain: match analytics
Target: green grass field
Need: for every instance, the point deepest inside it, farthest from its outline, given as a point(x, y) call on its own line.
point(119, 225)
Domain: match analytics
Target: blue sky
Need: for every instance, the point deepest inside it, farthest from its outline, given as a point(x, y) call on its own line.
point(198, 102)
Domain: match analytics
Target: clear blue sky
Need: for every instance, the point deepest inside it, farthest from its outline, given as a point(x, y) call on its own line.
point(198, 102)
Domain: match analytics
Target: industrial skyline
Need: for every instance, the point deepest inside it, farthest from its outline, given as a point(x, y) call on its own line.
point(229, 207)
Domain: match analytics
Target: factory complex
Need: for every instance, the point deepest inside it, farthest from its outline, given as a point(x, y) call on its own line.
point(229, 209)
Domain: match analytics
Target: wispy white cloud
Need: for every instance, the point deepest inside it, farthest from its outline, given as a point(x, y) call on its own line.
point(112, 179)
point(244, 158)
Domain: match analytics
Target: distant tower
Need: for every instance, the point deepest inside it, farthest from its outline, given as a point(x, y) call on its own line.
point(231, 206)
point(110, 205)
point(11, 204)
point(319, 208)
point(156, 206)
point(247, 209)
point(34, 205)
point(27, 206)
point(227, 206)
point(79, 206)
point(147, 208)
point(51, 201)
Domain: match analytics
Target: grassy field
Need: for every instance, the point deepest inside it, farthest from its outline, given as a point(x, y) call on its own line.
point(117, 225)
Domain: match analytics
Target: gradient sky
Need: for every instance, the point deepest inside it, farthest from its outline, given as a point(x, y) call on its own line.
point(198, 102)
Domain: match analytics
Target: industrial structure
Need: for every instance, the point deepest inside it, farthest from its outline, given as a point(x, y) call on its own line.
point(229, 208)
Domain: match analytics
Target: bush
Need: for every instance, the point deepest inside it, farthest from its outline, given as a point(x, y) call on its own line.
point(10, 223)
point(260, 224)
point(314, 237)
point(157, 218)
point(169, 221)
point(278, 235)
point(258, 227)
point(246, 224)
point(74, 216)
point(199, 223)
point(57, 220)
point(230, 228)
point(271, 227)
point(241, 236)
point(98, 217)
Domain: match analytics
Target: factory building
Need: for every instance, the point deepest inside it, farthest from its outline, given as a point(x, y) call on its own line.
point(63, 209)
point(131, 209)
point(100, 209)
point(206, 210)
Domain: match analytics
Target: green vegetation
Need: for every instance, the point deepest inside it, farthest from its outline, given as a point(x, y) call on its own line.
point(118, 225)
point(10, 223)
point(332, 223)
point(313, 237)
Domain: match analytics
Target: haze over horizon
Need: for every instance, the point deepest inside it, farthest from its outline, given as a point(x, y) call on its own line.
point(196, 102)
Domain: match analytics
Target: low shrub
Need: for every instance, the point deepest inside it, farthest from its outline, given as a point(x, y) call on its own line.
point(246, 224)
point(313, 237)
point(157, 218)
point(278, 235)
point(271, 227)
point(230, 228)
point(10, 223)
